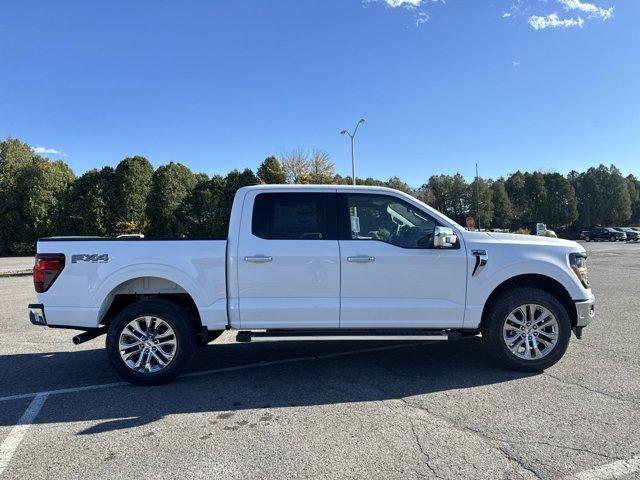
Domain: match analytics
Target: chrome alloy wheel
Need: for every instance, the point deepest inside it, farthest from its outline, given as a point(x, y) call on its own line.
point(530, 331)
point(147, 344)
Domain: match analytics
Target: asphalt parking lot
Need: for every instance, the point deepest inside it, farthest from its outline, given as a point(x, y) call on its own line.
point(329, 410)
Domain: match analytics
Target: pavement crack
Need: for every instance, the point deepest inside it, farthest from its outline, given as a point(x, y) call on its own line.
point(590, 389)
point(425, 454)
point(494, 441)
point(490, 441)
point(518, 461)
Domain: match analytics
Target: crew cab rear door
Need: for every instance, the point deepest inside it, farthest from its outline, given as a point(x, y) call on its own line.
point(391, 276)
point(288, 260)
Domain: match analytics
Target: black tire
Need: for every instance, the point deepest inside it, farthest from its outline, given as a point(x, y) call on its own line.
point(612, 238)
point(497, 314)
point(176, 318)
point(587, 238)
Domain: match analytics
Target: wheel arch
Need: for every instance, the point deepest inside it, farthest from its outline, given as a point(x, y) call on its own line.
point(138, 288)
point(538, 281)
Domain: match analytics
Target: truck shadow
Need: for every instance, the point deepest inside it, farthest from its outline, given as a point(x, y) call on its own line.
point(320, 379)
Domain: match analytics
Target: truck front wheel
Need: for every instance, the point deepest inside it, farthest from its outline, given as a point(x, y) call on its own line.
point(527, 329)
point(150, 342)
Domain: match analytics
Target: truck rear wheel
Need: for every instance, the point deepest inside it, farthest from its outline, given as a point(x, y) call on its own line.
point(150, 342)
point(527, 329)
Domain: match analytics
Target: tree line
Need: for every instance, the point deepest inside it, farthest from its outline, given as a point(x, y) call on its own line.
point(41, 197)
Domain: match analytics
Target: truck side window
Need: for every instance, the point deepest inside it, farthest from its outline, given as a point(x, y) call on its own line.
point(389, 219)
point(294, 216)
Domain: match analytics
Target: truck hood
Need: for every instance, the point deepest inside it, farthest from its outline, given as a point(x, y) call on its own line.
point(518, 239)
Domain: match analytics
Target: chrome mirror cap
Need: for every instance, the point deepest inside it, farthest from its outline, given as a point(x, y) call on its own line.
point(443, 237)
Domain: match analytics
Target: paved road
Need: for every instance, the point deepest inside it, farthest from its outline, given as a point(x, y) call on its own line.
point(12, 264)
point(410, 411)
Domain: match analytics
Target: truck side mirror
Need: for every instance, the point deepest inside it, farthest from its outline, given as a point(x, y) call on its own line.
point(443, 237)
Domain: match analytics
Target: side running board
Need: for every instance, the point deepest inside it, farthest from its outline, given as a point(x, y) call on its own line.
point(323, 335)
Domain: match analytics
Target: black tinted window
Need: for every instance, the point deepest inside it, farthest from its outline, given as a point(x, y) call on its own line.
point(294, 216)
point(389, 219)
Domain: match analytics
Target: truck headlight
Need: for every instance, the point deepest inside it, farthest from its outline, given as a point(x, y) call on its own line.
point(578, 262)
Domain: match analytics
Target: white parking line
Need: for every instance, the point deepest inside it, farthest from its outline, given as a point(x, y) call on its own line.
point(607, 471)
point(216, 370)
point(17, 433)
point(11, 443)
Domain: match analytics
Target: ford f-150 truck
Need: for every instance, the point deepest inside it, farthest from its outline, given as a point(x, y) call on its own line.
point(315, 263)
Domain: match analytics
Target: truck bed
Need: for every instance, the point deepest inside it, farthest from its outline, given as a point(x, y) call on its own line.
point(97, 269)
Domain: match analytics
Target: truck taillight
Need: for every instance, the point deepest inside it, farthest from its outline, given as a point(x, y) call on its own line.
point(47, 268)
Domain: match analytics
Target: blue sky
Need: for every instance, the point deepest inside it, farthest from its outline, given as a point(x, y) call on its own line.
point(216, 85)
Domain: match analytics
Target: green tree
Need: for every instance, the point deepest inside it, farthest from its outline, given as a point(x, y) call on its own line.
point(536, 195)
point(32, 190)
point(502, 212)
point(369, 181)
point(232, 182)
point(270, 171)
point(45, 184)
point(132, 184)
point(397, 184)
point(603, 197)
point(86, 208)
point(633, 187)
point(200, 211)
point(15, 156)
point(561, 208)
point(515, 186)
point(480, 202)
point(170, 184)
point(448, 194)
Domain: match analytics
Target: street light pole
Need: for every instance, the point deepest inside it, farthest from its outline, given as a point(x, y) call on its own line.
point(477, 199)
point(352, 136)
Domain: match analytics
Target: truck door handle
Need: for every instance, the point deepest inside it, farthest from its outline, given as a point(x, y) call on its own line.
point(361, 259)
point(258, 259)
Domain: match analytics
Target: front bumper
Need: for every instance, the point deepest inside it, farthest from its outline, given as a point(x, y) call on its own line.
point(585, 312)
point(36, 314)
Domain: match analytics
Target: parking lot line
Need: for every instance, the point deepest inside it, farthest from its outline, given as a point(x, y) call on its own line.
point(213, 371)
point(17, 433)
point(611, 470)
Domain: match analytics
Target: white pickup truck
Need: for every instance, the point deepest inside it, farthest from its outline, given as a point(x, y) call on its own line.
point(315, 263)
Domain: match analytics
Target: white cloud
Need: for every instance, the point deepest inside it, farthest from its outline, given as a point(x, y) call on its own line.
point(421, 18)
point(48, 151)
point(553, 21)
point(540, 14)
point(593, 10)
point(415, 6)
point(515, 63)
point(403, 3)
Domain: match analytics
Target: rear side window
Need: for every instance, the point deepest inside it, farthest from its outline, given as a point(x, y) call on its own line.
point(294, 216)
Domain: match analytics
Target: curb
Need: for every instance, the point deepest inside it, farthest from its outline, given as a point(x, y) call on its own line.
point(16, 273)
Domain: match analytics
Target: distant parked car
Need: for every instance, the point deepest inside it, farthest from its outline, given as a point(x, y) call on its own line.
point(632, 235)
point(602, 234)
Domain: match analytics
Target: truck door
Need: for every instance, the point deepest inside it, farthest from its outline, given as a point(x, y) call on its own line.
point(288, 260)
point(391, 275)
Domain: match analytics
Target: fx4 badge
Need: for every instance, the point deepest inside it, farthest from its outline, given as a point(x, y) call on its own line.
point(92, 258)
